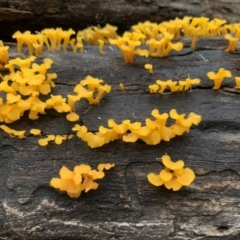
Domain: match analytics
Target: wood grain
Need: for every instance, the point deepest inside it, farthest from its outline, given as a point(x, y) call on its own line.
point(126, 206)
point(38, 14)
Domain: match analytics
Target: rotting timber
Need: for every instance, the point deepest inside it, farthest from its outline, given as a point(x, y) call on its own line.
point(126, 206)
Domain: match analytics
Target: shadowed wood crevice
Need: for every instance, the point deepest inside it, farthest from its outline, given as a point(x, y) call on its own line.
point(35, 15)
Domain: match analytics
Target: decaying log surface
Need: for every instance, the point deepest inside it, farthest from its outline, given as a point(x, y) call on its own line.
point(126, 206)
point(36, 15)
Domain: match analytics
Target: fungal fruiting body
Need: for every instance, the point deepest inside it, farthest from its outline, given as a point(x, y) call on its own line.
point(237, 81)
point(82, 178)
point(151, 133)
point(52, 38)
point(174, 176)
point(35, 131)
point(149, 67)
point(3, 55)
point(232, 42)
point(121, 86)
point(219, 77)
point(160, 38)
point(128, 44)
point(13, 133)
point(175, 86)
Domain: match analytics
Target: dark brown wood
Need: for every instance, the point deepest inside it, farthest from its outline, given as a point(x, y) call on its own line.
point(35, 15)
point(126, 206)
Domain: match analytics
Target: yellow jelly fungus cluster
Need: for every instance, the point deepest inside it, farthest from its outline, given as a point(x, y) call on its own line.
point(3, 55)
point(52, 38)
point(152, 133)
point(128, 44)
point(188, 27)
point(22, 88)
point(24, 85)
point(93, 34)
point(232, 42)
point(174, 176)
point(149, 67)
point(219, 77)
point(58, 139)
point(162, 47)
point(161, 37)
point(175, 86)
point(82, 178)
point(13, 133)
point(94, 85)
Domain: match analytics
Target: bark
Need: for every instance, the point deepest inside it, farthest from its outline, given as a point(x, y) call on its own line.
point(126, 206)
point(38, 14)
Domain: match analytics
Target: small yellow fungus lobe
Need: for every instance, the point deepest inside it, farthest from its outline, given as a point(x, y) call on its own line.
point(176, 86)
point(3, 55)
point(101, 44)
point(82, 178)
point(237, 80)
point(149, 67)
point(232, 42)
point(13, 133)
point(219, 77)
point(72, 117)
point(121, 86)
point(35, 131)
point(128, 45)
point(58, 139)
point(174, 176)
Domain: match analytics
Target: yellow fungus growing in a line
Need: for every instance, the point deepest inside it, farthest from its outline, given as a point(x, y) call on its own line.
point(13, 133)
point(152, 133)
point(101, 44)
point(175, 86)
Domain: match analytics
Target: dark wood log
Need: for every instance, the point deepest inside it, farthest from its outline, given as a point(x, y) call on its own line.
point(35, 15)
point(126, 206)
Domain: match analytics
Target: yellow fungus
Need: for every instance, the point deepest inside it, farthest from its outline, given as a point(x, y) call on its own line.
point(35, 131)
point(155, 179)
point(174, 176)
point(43, 142)
point(237, 81)
point(101, 44)
point(82, 178)
point(13, 133)
point(149, 67)
point(121, 86)
point(232, 42)
point(59, 139)
point(3, 55)
point(166, 160)
point(72, 117)
point(187, 177)
point(219, 77)
point(165, 175)
point(106, 166)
